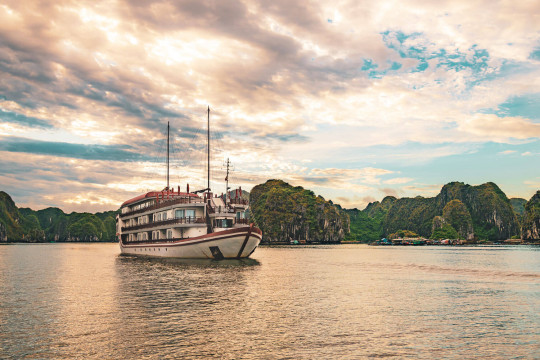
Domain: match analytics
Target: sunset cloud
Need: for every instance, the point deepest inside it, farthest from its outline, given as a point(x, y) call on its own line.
point(338, 97)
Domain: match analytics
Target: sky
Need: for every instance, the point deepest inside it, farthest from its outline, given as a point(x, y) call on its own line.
point(355, 100)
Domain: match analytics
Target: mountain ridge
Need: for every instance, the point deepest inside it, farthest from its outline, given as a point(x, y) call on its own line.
point(286, 213)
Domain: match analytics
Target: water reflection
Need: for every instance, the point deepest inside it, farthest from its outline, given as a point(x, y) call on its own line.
point(181, 306)
point(86, 301)
point(202, 263)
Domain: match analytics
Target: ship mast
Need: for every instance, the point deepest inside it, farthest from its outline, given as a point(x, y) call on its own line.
point(167, 155)
point(227, 182)
point(208, 150)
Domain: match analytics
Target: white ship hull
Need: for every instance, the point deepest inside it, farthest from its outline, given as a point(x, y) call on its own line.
point(228, 244)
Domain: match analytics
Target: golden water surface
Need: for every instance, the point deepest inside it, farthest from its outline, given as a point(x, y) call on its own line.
point(65, 301)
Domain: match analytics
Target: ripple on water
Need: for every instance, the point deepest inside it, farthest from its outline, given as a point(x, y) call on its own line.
point(83, 300)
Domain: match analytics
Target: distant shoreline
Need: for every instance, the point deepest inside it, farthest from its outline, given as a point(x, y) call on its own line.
point(289, 244)
point(373, 244)
point(56, 242)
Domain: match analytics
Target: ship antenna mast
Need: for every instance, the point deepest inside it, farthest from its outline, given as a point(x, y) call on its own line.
point(227, 182)
point(167, 155)
point(208, 135)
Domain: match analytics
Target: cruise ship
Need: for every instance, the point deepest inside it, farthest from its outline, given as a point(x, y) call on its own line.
point(190, 225)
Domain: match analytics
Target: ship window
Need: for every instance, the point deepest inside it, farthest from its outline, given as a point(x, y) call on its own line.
point(179, 214)
point(169, 234)
point(190, 213)
point(224, 223)
point(165, 215)
point(159, 217)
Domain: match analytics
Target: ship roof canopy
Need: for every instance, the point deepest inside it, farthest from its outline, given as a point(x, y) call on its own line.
point(153, 194)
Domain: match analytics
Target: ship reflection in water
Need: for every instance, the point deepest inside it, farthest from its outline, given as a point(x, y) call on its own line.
point(204, 263)
point(66, 301)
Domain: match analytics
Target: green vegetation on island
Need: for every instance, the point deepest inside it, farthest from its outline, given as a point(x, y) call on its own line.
point(531, 219)
point(518, 204)
point(485, 206)
point(52, 224)
point(367, 224)
point(287, 213)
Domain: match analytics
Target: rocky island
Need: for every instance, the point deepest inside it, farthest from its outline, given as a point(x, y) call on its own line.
point(288, 213)
point(52, 224)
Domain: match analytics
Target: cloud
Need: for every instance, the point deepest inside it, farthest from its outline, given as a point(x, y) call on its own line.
point(493, 127)
point(77, 151)
point(535, 184)
point(507, 152)
point(292, 95)
point(27, 121)
point(389, 192)
point(357, 202)
point(402, 180)
point(367, 175)
point(426, 190)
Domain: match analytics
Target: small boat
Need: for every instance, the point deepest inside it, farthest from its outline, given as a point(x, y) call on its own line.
point(187, 225)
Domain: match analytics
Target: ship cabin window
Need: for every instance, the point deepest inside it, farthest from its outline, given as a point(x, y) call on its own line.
point(190, 213)
point(158, 216)
point(179, 214)
point(169, 234)
point(164, 216)
point(224, 223)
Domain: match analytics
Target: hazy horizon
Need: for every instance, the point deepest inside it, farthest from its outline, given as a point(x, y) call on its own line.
point(353, 100)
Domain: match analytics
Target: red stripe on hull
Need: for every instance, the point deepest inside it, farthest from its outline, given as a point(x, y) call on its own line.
point(226, 234)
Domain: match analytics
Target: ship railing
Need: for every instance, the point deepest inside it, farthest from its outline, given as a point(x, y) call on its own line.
point(180, 220)
point(153, 241)
point(238, 201)
point(164, 203)
point(242, 221)
point(223, 213)
point(225, 210)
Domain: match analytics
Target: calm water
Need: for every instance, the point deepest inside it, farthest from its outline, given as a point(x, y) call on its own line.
point(66, 301)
